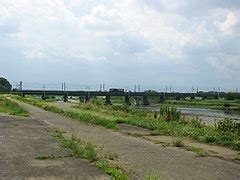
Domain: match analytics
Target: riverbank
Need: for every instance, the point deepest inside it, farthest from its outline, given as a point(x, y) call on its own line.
point(219, 104)
point(224, 134)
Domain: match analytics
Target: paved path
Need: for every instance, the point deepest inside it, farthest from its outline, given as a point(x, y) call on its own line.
point(145, 157)
point(23, 139)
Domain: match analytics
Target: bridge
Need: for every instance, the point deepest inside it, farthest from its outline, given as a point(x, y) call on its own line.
point(86, 95)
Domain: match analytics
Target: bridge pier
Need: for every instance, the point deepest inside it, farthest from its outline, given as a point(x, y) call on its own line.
point(87, 98)
point(108, 100)
point(127, 100)
point(145, 101)
point(192, 97)
point(43, 97)
point(178, 97)
point(65, 98)
point(161, 98)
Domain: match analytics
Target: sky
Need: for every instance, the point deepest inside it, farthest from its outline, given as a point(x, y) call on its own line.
point(154, 43)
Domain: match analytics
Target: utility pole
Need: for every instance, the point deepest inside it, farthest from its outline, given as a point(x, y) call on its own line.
point(44, 90)
point(20, 86)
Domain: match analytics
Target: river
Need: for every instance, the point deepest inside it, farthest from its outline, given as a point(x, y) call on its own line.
point(207, 115)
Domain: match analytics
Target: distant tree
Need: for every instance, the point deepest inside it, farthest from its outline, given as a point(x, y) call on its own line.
point(5, 84)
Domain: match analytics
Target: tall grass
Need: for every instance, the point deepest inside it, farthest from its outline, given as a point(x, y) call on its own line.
point(9, 107)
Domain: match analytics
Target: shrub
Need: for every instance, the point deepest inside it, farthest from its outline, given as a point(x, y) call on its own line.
point(169, 113)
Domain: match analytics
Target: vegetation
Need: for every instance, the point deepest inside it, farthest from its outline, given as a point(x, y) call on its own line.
point(213, 104)
point(114, 171)
point(5, 84)
point(45, 157)
point(178, 143)
point(199, 151)
point(84, 150)
point(9, 107)
point(224, 133)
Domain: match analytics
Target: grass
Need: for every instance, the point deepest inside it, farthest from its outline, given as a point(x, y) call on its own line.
point(212, 104)
point(224, 133)
point(238, 157)
point(9, 107)
point(178, 143)
point(113, 171)
point(84, 150)
point(199, 151)
point(45, 157)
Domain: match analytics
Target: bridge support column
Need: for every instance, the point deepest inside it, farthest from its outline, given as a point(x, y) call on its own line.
point(192, 97)
point(65, 98)
point(145, 101)
point(178, 97)
point(127, 100)
point(108, 100)
point(43, 97)
point(87, 98)
point(161, 98)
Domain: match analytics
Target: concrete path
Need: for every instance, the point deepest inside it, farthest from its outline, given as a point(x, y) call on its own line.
point(144, 157)
point(24, 139)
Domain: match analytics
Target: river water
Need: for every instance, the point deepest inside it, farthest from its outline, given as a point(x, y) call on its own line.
point(207, 115)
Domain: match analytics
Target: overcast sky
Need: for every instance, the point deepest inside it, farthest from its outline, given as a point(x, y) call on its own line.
point(149, 42)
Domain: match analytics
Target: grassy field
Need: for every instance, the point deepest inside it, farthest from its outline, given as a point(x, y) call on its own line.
point(9, 107)
point(208, 103)
point(167, 122)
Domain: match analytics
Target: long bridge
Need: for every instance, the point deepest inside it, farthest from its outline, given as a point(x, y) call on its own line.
point(86, 95)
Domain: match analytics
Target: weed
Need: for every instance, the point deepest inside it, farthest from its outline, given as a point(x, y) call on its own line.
point(238, 157)
point(114, 171)
point(178, 143)
point(199, 151)
point(44, 157)
point(11, 108)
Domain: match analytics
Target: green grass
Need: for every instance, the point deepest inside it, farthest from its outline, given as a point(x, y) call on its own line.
point(199, 151)
point(84, 150)
point(9, 107)
point(45, 157)
point(224, 134)
point(178, 143)
point(113, 171)
point(212, 104)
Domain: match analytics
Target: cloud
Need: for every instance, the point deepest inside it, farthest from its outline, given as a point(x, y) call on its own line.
point(132, 36)
point(227, 26)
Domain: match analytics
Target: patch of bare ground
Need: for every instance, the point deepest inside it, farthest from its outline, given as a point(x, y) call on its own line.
point(24, 140)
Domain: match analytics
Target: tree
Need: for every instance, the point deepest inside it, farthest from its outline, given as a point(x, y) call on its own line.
point(5, 84)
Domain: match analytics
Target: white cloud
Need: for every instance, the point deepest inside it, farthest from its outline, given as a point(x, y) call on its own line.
point(33, 54)
point(227, 25)
point(3, 14)
point(123, 33)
